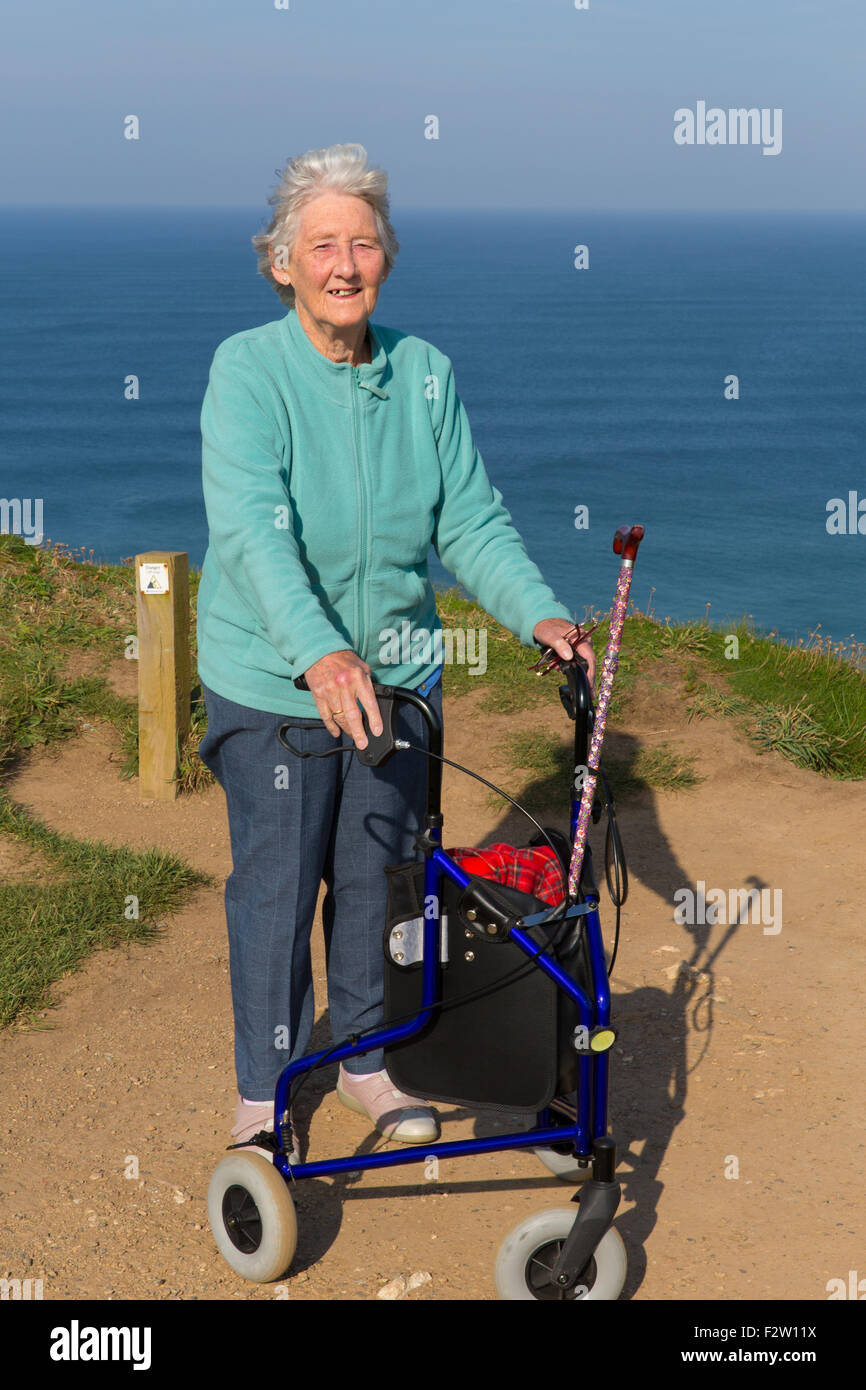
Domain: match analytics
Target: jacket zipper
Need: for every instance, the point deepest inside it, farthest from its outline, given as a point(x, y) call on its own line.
point(360, 626)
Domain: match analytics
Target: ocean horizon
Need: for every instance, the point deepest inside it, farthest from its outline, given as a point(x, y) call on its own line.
point(601, 395)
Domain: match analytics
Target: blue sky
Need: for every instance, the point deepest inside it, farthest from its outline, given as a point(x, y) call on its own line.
point(539, 104)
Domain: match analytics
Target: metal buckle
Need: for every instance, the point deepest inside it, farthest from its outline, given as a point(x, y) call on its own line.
point(406, 941)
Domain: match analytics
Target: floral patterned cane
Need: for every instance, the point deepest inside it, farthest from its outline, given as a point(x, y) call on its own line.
point(625, 543)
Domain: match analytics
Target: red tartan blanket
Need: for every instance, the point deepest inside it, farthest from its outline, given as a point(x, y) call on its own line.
point(536, 871)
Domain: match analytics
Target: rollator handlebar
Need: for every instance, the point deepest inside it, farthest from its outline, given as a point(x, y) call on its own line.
point(380, 748)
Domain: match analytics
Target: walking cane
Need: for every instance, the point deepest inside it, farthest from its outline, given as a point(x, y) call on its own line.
point(625, 543)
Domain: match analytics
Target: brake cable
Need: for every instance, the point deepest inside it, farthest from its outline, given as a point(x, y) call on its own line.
point(557, 915)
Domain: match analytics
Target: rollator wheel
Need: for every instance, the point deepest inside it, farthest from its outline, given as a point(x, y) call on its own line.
point(252, 1217)
point(564, 1166)
point(527, 1255)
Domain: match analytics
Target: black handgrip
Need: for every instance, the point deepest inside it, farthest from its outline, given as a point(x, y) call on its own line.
point(380, 747)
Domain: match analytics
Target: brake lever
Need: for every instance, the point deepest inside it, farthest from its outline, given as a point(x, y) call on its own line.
point(380, 747)
point(550, 660)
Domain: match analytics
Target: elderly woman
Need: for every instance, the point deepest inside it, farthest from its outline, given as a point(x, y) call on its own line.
point(335, 453)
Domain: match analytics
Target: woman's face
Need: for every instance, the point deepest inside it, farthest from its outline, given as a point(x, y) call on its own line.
point(337, 248)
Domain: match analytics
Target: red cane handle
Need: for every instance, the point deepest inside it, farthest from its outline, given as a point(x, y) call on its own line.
point(626, 541)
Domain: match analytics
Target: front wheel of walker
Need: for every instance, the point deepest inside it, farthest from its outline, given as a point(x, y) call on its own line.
point(252, 1217)
point(526, 1257)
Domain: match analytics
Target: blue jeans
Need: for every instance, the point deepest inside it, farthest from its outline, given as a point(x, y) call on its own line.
point(292, 823)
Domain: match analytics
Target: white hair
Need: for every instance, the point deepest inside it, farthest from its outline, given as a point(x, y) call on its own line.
point(336, 169)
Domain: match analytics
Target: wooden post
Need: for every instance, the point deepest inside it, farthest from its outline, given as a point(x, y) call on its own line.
point(162, 608)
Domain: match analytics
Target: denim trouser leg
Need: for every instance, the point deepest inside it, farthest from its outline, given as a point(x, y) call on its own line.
point(293, 822)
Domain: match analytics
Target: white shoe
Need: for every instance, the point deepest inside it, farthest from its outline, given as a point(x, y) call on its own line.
point(395, 1115)
point(252, 1120)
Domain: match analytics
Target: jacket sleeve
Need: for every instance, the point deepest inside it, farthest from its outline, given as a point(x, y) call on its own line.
point(473, 533)
point(249, 510)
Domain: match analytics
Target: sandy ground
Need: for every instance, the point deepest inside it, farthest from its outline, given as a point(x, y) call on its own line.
point(737, 1090)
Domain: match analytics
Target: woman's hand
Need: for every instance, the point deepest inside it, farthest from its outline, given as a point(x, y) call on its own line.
point(338, 681)
point(549, 634)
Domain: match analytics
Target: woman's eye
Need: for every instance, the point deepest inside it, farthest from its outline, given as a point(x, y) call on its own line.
point(329, 245)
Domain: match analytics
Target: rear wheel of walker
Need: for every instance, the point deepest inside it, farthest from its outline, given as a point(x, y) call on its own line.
point(564, 1165)
point(526, 1258)
point(252, 1217)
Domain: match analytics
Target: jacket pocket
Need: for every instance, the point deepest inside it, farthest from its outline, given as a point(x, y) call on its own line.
point(396, 597)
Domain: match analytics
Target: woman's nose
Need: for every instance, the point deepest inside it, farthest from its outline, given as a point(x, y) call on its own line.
point(345, 265)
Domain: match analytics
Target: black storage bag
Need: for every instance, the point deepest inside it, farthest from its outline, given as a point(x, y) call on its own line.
point(510, 1048)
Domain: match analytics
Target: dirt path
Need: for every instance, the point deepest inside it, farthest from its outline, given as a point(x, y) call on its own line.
point(750, 1063)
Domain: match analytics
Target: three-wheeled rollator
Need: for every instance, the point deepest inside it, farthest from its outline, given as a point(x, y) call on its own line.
point(493, 998)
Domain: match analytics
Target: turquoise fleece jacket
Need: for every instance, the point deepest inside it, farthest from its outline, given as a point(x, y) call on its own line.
point(324, 486)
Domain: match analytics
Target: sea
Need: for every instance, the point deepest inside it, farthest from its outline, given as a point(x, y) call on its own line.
point(699, 373)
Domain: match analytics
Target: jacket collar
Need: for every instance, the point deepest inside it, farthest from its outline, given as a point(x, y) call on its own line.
point(333, 379)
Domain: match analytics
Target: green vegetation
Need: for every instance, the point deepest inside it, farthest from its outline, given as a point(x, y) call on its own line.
point(61, 612)
point(806, 701)
point(56, 607)
point(549, 760)
point(86, 895)
point(89, 895)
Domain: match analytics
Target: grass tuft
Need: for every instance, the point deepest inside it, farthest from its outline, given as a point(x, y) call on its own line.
point(549, 759)
point(90, 896)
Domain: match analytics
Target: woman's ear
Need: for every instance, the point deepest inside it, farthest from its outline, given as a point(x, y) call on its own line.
point(279, 271)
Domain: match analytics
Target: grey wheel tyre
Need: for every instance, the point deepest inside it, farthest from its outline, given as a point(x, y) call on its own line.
point(528, 1253)
point(564, 1166)
point(252, 1217)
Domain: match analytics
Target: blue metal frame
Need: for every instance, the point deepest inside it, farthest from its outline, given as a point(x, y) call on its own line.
point(592, 1089)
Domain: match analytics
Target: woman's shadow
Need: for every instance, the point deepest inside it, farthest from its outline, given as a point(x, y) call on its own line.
point(649, 1071)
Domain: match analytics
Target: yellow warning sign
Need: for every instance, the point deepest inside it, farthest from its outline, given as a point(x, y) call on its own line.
point(153, 578)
